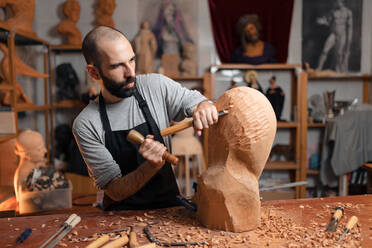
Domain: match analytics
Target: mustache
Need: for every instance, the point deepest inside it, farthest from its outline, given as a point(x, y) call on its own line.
point(127, 81)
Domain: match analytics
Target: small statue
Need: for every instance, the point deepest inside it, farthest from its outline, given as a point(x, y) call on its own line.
point(188, 65)
point(252, 50)
point(31, 150)
point(329, 102)
point(145, 47)
point(67, 80)
point(104, 11)
point(22, 15)
point(21, 69)
point(251, 80)
point(276, 97)
point(71, 9)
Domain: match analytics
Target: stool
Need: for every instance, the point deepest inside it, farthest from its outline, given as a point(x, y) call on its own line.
point(368, 168)
point(186, 146)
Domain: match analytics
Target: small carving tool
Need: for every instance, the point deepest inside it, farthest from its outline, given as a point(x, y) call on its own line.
point(64, 225)
point(74, 222)
point(353, 220)
point(24, 236)
point(137, 138)
point(183, 125)
point(335, 218)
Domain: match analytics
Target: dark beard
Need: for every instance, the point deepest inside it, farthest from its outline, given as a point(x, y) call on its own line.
point(250, 39)
point(117, 89)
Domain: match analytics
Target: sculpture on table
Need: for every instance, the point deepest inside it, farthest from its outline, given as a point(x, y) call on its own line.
point(71, 9)
point(31, 150)
point(188, 66)
point(20, 68)
point(239, 144)
point(252, 81)
point(22, 15)
point(276, 96)
point(252, 49)
point(104, 11)
point(145, 47)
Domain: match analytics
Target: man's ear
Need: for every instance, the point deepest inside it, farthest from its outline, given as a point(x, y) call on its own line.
point(93, 72)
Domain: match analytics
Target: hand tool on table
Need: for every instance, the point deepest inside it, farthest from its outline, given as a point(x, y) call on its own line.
point(183, 125)
point(99, 234)
point(98, 242)
point(74, 222)
point(24, 236)
point(137, 138)
point(64, 225)
point(353, 220)
point(123, 240)
point(133, 243)
point(335, 218)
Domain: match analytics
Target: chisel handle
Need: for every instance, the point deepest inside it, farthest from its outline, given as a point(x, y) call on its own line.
point(176, 128)
point(137, 138)
point(117, 242)
point(99, 242)
point(337, 215)
point(350, 224)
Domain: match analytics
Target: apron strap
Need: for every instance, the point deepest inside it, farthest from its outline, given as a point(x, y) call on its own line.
point(103, 114)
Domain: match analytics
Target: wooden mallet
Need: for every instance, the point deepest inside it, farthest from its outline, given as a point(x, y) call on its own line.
point(137, 138)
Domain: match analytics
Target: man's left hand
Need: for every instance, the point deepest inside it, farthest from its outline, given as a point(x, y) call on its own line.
point(204, 114)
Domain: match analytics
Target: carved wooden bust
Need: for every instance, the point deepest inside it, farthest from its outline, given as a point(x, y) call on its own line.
point(71, 9)
point(239, 145)
point(104, 11)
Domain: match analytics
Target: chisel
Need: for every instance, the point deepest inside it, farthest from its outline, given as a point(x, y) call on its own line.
point(335, 218)
point(353, 220)
point(65, 224)
point(65, 231)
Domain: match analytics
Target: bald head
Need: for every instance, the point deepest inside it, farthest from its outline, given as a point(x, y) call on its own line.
point(91, 42)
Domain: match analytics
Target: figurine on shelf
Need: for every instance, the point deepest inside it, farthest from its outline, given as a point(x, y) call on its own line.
point(251, 80)
point(31, 150)
point(21, 69)
point(145, 46)
point(329, 102)
point(67, 80)
point(22, 15)
point(188, 66)
point(71, 9)
point(252, 50)
point(104, 11)
point(276, 96)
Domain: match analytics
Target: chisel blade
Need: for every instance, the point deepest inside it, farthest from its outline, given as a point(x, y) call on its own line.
point(332, 226)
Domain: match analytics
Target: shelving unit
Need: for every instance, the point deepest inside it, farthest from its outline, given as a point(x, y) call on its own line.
point(296, 128)
point(13, 38)
point(366, 81)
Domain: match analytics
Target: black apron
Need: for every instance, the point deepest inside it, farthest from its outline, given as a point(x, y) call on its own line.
point(161, 190)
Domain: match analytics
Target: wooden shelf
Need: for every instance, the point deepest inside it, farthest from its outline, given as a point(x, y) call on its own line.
point(7, 137)
point(316, 125)
point(283, 124)
point(255, 67)
point(20, 37)
point(281, 165)
point(187, 78)
point(312, 172)
point(21, 108)
point(342, 78)
point(69, 104)
point(65, 48)
point(6, 87)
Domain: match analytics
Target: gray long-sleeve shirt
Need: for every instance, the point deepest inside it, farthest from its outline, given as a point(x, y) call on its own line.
point(167, 100)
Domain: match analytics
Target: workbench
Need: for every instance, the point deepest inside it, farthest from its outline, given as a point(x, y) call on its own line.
point(285, 223)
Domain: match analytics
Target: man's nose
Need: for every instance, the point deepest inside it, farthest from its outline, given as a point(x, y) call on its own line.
point(129, 72)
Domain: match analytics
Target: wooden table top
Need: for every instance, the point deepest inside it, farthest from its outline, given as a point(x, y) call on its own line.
point(285, 223)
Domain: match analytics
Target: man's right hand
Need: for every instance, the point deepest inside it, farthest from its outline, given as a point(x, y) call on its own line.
point(153, 151)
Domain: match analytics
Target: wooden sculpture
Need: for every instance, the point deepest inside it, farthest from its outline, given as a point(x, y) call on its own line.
point(145, 46)
point(71, 9)
point(22, 15)
point(31, 150)
point(104, 11)
point(22, 69)
point(239, 144)
point(188, 66)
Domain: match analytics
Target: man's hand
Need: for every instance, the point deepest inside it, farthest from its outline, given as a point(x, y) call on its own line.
point(153, 151)
point(204, 114)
